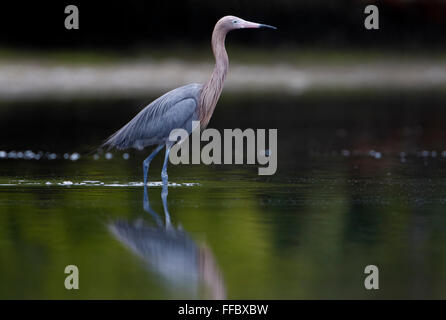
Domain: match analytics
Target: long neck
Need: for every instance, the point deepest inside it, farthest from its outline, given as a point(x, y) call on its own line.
point(212, 89)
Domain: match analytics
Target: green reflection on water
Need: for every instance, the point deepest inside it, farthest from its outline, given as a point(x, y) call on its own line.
point(307, 236)
point(306, 232)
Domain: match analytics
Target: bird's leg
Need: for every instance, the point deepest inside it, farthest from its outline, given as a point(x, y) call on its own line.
point(164, 194)
point(164, 175)
point(146, 163)
point(148, 208)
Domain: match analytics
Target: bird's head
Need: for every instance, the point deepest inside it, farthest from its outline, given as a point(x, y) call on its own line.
point(229, 23)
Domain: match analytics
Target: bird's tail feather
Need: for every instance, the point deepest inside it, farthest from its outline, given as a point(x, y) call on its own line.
point(116, 140)
point(107, 145)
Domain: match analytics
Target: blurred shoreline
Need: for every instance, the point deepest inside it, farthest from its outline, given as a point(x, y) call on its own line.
point(28, 76)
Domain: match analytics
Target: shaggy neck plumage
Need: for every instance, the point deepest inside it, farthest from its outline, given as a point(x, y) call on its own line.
point(212, 89)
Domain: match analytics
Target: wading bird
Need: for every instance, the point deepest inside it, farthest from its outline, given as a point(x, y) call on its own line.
point(178, 108)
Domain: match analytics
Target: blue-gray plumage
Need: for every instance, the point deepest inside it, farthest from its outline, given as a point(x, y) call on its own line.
point(178, 108)
point(153, 124)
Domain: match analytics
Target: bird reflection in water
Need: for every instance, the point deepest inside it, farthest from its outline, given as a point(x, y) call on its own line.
point(171, 253)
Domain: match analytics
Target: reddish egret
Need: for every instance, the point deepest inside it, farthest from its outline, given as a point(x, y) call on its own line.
point(179, 107)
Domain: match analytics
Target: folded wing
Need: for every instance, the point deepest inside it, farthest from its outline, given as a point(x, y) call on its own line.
point(152, 125)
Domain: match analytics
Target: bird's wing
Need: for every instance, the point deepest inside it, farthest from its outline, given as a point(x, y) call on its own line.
point(153, 124)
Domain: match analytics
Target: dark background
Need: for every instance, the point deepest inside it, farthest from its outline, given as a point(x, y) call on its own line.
point(128, 25)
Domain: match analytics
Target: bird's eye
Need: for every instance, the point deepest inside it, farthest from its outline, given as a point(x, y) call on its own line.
point(235, 21)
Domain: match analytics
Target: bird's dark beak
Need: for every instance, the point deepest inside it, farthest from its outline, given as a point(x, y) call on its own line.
point(254, 25)
point(266, 26)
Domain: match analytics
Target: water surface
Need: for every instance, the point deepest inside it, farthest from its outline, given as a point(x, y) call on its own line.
point(361, 180)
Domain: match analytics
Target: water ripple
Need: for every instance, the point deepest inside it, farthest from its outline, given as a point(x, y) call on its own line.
point(94, 183)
